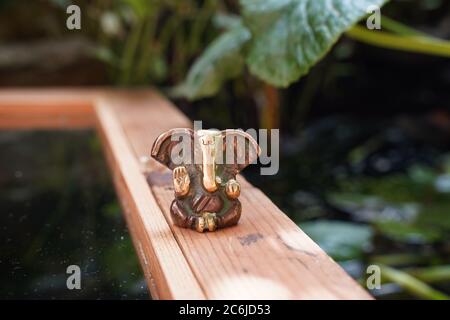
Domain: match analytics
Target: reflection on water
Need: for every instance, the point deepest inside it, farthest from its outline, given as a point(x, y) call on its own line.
point(58, 208)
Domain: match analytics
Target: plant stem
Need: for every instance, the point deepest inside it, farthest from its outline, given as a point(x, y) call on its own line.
point(399, 259)
point(130, 52)
point(411, 284)
point(400, 28)
point(147, 40)
point(405, 43)
point(270, 117)
point(431, 274)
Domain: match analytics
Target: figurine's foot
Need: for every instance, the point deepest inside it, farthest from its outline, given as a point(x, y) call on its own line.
point(211, 220)
point(208, 220)
point(200, 224)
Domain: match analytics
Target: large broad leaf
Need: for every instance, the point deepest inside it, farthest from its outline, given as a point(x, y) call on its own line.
point(222, 60)
point(290, 36)
point(341, 240)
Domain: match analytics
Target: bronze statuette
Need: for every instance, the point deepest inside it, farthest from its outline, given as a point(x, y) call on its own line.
point(204, 166)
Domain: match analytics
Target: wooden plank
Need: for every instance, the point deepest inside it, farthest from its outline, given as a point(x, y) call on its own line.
point(46, 109)
point(46, 121)
point(266, 256)
point(167, 271)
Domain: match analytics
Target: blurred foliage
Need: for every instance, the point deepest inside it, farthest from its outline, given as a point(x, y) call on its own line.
point(220, 62)
point(410, 208)
point(278, 40)
point(400, 207)
point(341, 240)
point(141, 41)
point(151, 41)
point(281, 41)
point(398, 218)
point(155, 42)
point(372, 192)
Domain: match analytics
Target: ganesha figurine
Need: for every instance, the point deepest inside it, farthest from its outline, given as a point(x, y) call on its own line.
point(204, 166)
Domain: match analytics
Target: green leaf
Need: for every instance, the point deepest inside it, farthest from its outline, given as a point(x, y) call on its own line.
point(290, 36)
point(60, 3)
point(221, 61)
point(372, 208)
point(141, 8)
point(341, 240)
point(226, 21)
point(408, 233)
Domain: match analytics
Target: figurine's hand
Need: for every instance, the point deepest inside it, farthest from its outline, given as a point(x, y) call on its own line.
point(181, 181)
point(232, 189)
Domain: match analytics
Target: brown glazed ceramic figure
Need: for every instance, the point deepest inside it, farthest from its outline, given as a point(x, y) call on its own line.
point(205, 164)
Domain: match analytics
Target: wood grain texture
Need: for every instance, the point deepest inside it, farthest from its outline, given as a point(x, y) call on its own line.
point(266, 256)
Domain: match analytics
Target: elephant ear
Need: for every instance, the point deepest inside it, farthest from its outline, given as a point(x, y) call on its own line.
point(239, 150)
point(174, 147)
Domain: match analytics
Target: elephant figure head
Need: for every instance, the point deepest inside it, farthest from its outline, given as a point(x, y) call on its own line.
point(205, 164)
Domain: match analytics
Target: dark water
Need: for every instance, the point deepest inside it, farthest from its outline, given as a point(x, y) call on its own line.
point(58, 208)
point(372, 193)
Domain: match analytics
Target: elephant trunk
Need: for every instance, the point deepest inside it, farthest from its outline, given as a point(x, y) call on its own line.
point(208, 148)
